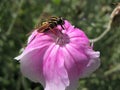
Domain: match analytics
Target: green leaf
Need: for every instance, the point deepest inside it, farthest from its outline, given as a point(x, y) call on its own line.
point(57, 2)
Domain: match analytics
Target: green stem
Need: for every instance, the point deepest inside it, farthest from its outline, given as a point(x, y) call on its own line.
point(103, 34)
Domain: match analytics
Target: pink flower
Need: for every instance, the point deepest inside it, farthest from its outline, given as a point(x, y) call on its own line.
point(58, 61)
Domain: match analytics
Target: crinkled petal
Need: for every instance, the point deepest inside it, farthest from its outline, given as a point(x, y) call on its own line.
point(31, 60)
point(75, 32)
point(72, 67)
point(78, 38)
point(91, 67)
point(26, 51)
point(40, 41)
point(54, 70)
point(74, 61)
point(32, 65)
point(32, 36)
point(93, 64)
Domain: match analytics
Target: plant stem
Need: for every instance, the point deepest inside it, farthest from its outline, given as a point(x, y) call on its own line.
point(103, 34)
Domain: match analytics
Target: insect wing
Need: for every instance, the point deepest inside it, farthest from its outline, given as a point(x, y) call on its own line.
point(43, 27)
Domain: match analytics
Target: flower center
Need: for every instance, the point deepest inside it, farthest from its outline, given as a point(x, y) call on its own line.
point(62, 39)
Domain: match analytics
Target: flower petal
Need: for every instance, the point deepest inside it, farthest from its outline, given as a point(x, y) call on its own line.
point(72, 66)
point(78, 38)
point(31, 65)
point(54, 70)
point(77, 33)
point(32, 36)
point(94, 63)
point(75, 61)
point(40, 41)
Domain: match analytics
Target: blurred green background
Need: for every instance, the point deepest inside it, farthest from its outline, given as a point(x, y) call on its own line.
point(18, 17)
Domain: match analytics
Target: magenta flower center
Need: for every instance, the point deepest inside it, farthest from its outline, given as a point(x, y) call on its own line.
point(62, 39)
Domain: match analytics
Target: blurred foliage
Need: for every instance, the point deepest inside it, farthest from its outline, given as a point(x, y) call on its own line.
point(18, 17)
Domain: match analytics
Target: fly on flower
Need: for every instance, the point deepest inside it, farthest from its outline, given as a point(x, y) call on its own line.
point(50, 24)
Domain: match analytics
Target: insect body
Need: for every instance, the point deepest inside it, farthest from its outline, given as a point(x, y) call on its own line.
point(50, 24)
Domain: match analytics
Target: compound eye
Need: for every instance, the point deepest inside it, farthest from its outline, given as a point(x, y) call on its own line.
point(59, 21)
point(62, 20)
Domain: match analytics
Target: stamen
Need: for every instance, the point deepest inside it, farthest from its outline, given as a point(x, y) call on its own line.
point(62, 38)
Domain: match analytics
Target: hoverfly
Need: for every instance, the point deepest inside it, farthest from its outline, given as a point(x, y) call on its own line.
point(50, 24)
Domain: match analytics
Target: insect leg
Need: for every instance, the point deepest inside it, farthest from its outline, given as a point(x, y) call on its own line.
point(53, 31)
point(62, 27)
